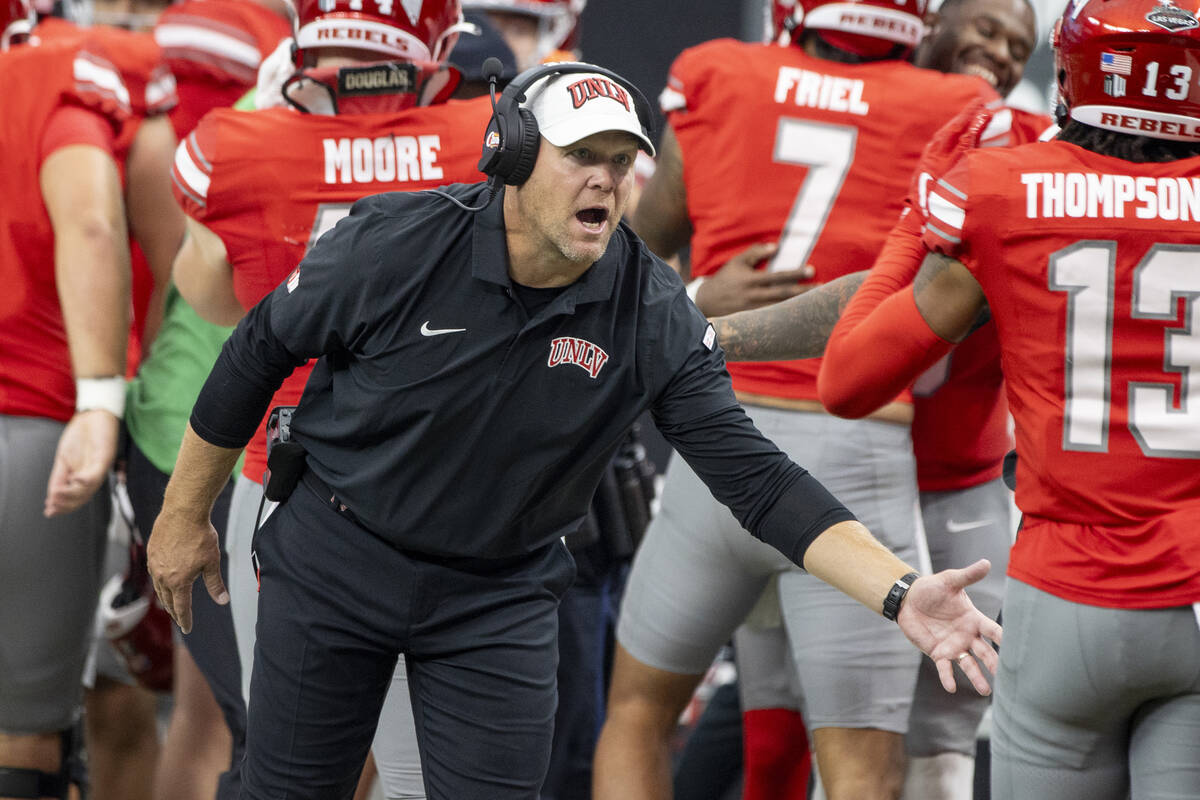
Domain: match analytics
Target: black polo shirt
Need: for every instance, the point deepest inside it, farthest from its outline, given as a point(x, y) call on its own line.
point(453, 424)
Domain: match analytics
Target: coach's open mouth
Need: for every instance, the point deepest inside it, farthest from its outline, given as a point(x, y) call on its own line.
point(593, 219)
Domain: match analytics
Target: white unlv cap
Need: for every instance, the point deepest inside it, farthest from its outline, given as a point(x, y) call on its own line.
point(572, 106)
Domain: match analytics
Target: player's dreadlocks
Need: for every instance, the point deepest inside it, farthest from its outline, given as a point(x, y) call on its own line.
point(830, 52)
point(1138, 149)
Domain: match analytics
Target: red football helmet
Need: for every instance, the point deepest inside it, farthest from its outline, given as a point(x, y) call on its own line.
point(866, 27)
point(16, 19)
point(418, 31)
point(1131, 66)
point(558, 20)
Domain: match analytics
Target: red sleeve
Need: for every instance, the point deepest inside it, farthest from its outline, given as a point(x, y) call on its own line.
point(945, 211)
point(70, 125)
point(845, 383)
point(192, 171)
point(878, 358)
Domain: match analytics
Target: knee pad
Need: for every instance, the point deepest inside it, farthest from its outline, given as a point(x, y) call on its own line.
point(33, 783)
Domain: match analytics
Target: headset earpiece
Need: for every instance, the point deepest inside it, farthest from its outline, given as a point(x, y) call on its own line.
point(527, 151)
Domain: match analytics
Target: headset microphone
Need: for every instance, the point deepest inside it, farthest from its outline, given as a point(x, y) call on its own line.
point(492, 69)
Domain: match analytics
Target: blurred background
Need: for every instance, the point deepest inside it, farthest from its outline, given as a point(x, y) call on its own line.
point(640, 38)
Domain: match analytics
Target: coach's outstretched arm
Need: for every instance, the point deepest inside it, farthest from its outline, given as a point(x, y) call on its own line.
point(935, 613)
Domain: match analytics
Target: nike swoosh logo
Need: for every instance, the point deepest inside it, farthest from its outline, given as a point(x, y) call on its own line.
point(959, 527)
point(428, 331)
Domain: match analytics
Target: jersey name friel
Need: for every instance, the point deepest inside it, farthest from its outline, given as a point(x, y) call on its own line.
point(816, 90)
point(1050, 195)
point(384, 159)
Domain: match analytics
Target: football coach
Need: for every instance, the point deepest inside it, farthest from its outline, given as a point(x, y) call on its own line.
point(482, 350)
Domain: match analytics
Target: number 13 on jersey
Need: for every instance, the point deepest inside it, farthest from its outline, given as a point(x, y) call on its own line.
point(1086, 271)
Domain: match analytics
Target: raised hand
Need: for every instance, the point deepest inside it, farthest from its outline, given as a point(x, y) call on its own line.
point(939, 618)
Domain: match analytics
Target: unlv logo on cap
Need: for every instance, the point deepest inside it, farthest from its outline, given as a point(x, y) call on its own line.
point(591, 88)
point(580, 352)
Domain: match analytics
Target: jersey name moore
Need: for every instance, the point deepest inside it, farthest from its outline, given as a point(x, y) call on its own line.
point(384, 159)
point(1050, 195)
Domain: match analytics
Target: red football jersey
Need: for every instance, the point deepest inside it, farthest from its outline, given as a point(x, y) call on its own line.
point(135, 55)
point(35, 372)
point(817, 155)
point(214, 48)
point(960, 429)
point(269, 183)
point(151, 92)
point(1089, 265)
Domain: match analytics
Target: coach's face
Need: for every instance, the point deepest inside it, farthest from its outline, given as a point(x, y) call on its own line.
point(576, 195)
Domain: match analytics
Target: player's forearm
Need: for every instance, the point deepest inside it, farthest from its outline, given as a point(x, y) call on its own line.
point(849, 558)
point(156, 221)
point(661, 219)
point(201, 471)
point(796, 328)
point(81, 190)
point(204, 276)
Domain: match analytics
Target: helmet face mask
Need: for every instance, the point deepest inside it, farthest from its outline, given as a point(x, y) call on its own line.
point(865, 27)
point(17, 19)
point(421, 32)
point(1131, 66)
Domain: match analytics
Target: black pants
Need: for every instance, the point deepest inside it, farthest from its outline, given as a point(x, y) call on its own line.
point(211, 643)
point(336, 606)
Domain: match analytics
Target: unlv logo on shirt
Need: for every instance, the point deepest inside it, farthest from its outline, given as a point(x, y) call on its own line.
point(581, 352)
point(591, 88)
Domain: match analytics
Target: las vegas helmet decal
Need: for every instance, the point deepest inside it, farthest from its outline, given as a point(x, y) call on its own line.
point(580, 352)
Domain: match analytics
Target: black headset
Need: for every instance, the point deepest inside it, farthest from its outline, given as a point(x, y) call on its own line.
point(514, 130)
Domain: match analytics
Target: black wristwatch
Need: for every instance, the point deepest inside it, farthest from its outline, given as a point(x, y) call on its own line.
point(895, 597)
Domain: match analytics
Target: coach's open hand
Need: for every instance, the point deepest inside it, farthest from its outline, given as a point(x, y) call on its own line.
point(938, 617)
point(179, 550)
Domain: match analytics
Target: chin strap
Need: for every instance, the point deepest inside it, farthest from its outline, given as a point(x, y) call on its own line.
point(370, 88)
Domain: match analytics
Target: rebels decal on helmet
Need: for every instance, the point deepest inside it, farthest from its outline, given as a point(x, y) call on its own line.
point(1131, 66)
point(418, 31)
point(867, 27)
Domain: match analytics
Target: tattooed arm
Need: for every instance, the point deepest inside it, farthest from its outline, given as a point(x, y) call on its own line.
point(948, 297)
point(796, 328)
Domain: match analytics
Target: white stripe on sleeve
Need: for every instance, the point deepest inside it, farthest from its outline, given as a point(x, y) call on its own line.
point(88, 71)
point(671, 100)
point(193, 37)
point(195, 179)
point(946, 212)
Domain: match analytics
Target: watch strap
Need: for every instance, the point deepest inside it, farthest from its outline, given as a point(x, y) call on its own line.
point(895, 596)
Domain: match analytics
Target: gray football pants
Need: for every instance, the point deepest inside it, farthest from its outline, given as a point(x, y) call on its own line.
point(1095, 703)
point(50, 573)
